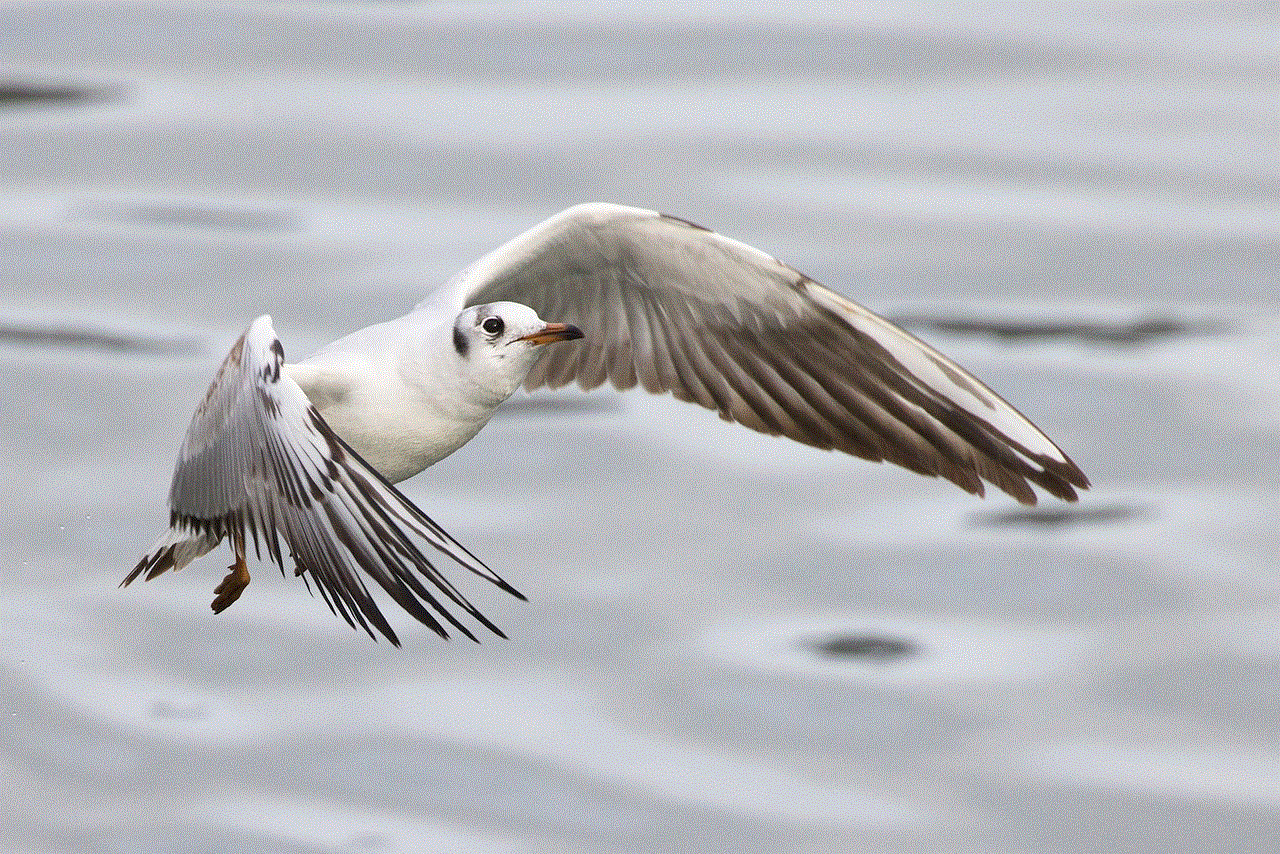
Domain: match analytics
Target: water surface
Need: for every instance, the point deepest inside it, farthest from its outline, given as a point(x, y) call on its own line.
point(731, 643)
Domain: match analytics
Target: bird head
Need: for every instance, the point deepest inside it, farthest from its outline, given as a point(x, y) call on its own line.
point(498, 342)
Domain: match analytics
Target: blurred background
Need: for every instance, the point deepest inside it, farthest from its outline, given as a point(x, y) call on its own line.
point(731, 643)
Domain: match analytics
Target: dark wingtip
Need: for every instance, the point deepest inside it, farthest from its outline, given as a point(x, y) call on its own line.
point(152, 565)
point(501, 583)
point(128, 579)
point(136, 571)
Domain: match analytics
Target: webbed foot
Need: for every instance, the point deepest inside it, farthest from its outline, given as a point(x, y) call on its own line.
point(232, 586)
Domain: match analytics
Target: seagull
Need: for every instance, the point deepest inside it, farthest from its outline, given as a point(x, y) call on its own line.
point(299, 460)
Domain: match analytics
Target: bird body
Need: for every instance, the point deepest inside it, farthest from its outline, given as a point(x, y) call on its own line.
point(308, 452)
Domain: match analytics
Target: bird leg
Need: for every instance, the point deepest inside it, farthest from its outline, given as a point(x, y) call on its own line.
point(232, 586)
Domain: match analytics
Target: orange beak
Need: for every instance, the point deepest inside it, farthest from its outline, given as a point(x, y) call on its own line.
point(552, 332)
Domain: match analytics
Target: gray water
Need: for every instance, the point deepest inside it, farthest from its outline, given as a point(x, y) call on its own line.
point(731, 643)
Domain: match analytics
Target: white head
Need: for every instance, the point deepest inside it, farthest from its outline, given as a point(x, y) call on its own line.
point(498, 343)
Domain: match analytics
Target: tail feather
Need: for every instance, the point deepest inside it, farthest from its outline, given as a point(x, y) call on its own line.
point(174, 550)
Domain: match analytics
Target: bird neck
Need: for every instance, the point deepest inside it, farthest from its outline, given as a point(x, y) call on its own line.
point(468, 386)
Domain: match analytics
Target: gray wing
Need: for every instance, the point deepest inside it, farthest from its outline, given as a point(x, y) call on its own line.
point(676, 308)
point(259, 463)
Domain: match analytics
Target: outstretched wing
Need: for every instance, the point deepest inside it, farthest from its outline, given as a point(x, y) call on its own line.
point(676, 308)
point(259, 463)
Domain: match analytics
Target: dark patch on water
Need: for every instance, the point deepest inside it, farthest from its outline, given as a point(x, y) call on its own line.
point(18, 93)
point(195, 216)
point(71, 338)
point(1114, 333)
point(1060, 517)
point(874, 648)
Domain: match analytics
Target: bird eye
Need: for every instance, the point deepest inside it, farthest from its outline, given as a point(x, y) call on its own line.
point(492, 325)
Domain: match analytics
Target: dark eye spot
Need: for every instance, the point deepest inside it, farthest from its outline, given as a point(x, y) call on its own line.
point(492, 325)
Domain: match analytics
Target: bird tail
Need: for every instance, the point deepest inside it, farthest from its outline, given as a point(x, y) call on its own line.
point(174, 550)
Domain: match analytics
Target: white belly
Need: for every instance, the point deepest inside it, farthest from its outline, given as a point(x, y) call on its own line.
point(396, 429)
point(396, 444)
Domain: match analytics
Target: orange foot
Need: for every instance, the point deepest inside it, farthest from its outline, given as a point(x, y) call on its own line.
point(232, 586)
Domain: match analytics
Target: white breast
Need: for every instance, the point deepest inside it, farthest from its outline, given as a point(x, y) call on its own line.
point(398, 428)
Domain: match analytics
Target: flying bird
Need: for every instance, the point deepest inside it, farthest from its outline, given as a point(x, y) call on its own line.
point(297, 461)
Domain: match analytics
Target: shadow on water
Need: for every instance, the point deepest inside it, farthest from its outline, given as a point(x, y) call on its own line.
point(1119, 333)
point(1060, 517)
point(71, 338)
point(18, 93)
point(879, 649)
point(195, 216)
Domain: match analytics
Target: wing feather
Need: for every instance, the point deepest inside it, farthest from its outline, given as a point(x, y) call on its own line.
point(677, 308)
point(259, 464)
